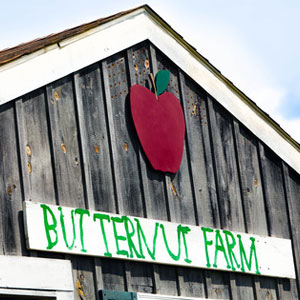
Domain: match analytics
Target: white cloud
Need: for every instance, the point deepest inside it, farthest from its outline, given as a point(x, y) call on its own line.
point(269, 99)
point(291, 126)
point(226, 50)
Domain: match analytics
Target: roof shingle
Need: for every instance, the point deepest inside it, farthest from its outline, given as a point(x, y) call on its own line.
point(10, 54)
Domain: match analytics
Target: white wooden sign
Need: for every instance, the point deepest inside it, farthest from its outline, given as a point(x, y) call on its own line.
point(80, 231)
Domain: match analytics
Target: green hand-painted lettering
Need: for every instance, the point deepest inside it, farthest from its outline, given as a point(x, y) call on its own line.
point(207, 243)
point(102, 217)
point(48, 227)
point(119, 237)
point(181, 230)
point(62, 223)
point(230, 247)
point(129, 235)
point(184, 231)
point(141, 236)
point(252, 253)
point(82, 212)
point(220, 247)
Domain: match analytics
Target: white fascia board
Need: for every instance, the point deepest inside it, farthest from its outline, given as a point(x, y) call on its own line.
point(20, 272)
point(54, 62)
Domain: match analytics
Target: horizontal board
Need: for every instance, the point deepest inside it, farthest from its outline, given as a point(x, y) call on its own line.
point(87, 232)
point(25, 294)
point(35, 273)
point(144, 296)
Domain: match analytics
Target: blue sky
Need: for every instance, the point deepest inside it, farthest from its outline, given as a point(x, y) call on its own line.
point(254, 43)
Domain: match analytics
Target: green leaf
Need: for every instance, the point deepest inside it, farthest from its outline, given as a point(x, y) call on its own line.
point(161, 81)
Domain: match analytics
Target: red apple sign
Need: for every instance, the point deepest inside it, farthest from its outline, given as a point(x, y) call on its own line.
point(159, 122)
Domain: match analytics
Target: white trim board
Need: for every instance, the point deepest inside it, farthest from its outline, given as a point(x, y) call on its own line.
point(33, 293)
point(51, 63)
point(57, 295)
point(144, 296)
point(35, 273)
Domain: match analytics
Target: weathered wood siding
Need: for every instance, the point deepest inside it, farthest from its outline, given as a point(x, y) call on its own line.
point(73, 143)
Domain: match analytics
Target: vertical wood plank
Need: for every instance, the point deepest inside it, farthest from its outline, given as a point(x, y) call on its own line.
point(292, 188)
point(94, 139)
point(227, 180)
point(25, 159)
point(99, 275)
point(251, 183)
point(113, 274)
point(156, 279)
point(274, 193)
point(34, 145)
point(64, 134)
point(268, 288)
point(141, 277)
point(277, 210)
point(218, 286)
point(252, 195)
point(257, 289)
point(12, 232)
point(233, 287)
point(123, 136)
point(84, 278)
point(168, 281)
point(230, 202)
point(82, 89)
point(191, 282)
point(244, 287)
point(200, 158)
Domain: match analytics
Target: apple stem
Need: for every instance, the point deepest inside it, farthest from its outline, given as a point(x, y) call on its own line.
point(153, 82)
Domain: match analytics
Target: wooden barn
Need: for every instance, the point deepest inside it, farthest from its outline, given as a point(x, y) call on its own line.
point(90, 209)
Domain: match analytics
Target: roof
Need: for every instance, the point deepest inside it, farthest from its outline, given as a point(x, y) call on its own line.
point(27, 51)
point(10, 54)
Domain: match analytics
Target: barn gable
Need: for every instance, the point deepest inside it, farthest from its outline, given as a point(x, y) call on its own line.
point(74, 49)
point(67, 138)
